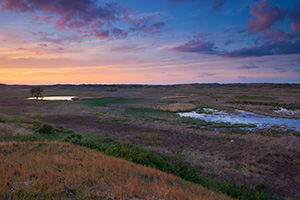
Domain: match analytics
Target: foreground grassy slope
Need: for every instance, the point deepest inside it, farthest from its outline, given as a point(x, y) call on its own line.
point(53, 170)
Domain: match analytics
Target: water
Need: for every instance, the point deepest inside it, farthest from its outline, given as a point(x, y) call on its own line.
point(243, 117)
point(55, 98)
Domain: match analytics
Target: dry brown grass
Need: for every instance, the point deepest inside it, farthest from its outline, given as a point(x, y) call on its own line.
point(6, 128)
point(52, 170)
point(176, 107)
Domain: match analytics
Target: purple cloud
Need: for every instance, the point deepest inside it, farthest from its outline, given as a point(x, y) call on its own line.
point(278, 35)
point(295, 18)
point(248, 67)
point(267, 49)
point(285, 47)
point(84, 16)
point(71, 13)
point(205, 75)
point(127, 48)
point(118, 33)
point(228, 42)
point(195, 46)
point(296, 60)
point(216, 5)
point(279, 69)
point(265, 16)
point(54, 39)
point(144, 23)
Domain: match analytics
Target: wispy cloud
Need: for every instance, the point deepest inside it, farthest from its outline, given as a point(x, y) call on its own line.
point(195, 46)
point(205, 74)
point(248, 67)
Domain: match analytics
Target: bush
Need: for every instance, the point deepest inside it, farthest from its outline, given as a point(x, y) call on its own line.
point(75, 138)
point(2, 120)
point(45, 129)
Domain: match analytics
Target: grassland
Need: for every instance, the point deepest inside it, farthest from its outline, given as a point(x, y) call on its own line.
point(52, 170)
point(261, 162)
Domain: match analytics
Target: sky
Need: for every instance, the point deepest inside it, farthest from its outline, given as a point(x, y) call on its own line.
point(149, 42)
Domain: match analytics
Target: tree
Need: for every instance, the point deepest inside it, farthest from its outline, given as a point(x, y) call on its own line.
point(37, 92)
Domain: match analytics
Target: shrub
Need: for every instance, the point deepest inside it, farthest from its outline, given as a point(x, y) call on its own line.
point(75, 138)
point(45, 129)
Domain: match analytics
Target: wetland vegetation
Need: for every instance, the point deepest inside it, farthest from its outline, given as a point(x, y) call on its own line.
point(140, 123)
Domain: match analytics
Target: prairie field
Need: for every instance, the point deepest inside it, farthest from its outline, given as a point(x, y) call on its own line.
point(53, 170)
point(139, 123)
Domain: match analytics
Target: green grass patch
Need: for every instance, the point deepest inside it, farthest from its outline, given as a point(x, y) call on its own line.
point(291, 106)
point(108, 101)
point(198, 123)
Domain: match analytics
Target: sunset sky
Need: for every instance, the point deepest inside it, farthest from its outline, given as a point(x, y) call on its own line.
point(149, 42)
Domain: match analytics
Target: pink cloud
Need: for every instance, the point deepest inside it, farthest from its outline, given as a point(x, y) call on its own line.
point(100, 34)
point(295, 18)
point(12, 38)
point(12, 5)
point(278, 35)
point(43, 45)
point(47, 19)
point(265, 16)
point(85, 14)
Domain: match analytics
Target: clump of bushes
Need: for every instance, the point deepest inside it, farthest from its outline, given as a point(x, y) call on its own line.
point(2, 120)
point(74, 138)
point(45, 129)
point(112, 90)
point(62, 130)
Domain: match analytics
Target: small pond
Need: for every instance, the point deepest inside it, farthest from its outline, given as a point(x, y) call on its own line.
point(242, 117)
point(54, 98)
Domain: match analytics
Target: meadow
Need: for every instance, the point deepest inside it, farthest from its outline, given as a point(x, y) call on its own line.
point(139, 123)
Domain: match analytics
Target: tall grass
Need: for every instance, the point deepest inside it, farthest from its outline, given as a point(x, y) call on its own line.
point(169, 164)
point(53, 170)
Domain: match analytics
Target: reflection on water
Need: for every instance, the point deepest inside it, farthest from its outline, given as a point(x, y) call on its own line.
point(55, 98)
point(243, 117)
point(286, 111)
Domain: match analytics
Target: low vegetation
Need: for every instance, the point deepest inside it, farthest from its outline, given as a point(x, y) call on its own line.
point(53, 170)
point(107, 101)
point(259, 98)
point(169, 164)
point(139, 123)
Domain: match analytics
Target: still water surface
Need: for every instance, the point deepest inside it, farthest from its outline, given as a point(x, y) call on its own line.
point(55, 98)
point(243, 117)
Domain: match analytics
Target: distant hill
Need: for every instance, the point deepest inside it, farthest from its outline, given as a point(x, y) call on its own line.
point(53, 170)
